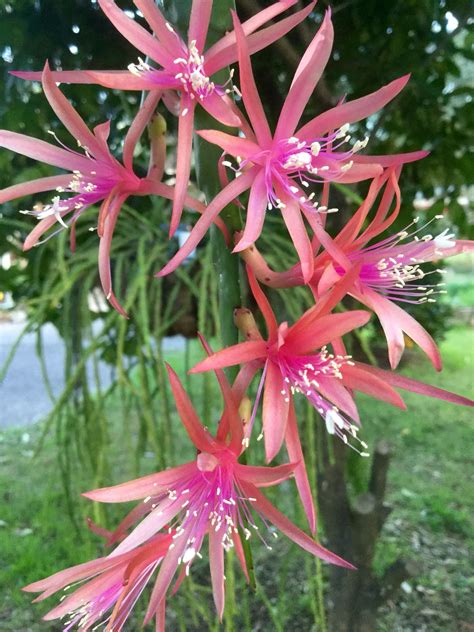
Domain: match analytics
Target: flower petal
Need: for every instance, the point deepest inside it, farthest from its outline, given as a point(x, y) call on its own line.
point(262, 476)
point(263, 304)
point(227, 195)
point(352, 111)
point(141, 487)
point(221, 108)
point(198, 435)
point(275, 411)
point(250, 96)
point(44, 152)
point(199, 22)
point(264, 506)
point(356, 378)
point(295, 225)
point(233, 145)
point(158, 24)
point(39, 185)
point(138, 126)
point(391, 160)
point(183, 160)
point(216, 564)
point(305, 338)
point(230, 356)
point(306, 77)
point(255, 217)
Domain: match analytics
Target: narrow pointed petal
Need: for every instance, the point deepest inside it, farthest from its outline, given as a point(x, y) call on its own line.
point(263, 304)
point(201, 439)
point(183, 161)
point(167, 570)
point(359, 172)
point(216, 564)
point(299, 236)
point(255, 217)
point(33, 186)
point(222, 108)
point(305, 339)
point(199, 22)
point(158, 24)
point(105, 272)
point(334, 390)
point(230, 356)
point(161, 616)
point(295, 454)
point(135, 34)
point(44, 152)
point(141, 487)
point(138, 126)
point(284, 525)
point(356, 378)
point(306, 77)
point(70, 118)
point(38, 231)
point(250, 95)
point(115, 79)
point(352, 111)
point(233, 145)
point(262, 476)
point(395, 321)
point(275, 411)
point(102, 133)
point(391, 160)
point(409, 384)
point(227, 195)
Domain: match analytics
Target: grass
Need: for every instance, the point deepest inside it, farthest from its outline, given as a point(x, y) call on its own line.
point(429, 489)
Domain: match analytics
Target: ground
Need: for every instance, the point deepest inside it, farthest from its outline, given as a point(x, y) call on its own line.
point(429, 488)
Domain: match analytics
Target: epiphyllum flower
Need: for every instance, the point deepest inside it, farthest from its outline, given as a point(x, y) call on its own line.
point(113, 586)
point(279, 168)
point(95, 176)
point(295, 360)
point(184, 67)
point(213, 495)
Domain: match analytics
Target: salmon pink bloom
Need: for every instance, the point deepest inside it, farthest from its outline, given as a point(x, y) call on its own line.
point(278, 169)
point(214, 496)
point(113, 586)
point(183, 67)
point(95, 176)
point(296, 360)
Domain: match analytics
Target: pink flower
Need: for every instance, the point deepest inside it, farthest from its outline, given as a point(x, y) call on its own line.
point(95, 176)
point(213, 496)
point(113, 586)
point(296, 360)
point(185, 67)
point(279, 168)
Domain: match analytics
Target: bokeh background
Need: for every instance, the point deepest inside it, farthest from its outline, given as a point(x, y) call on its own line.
point(84, 397)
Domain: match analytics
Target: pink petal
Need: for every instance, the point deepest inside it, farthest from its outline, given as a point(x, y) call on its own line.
point(250, 96)
point(199, 22)
point(256, 208)
point(150, 485)
point(200, 437)
point(352, 111)
point(356, 378)
point(395, 321)
point(161, 616)
point(265, 476)
point(183, 161)
point(334, 390)
point(216, 564)
point(170, 40)
point(236, 354)
point(275, 411)
point(33, 186)
point(70, 118)
point(138, 126)
point(263, 304)
point(104, 252)
point(264, 506)
point(118, 79)
point(227, 195)
point(360, 172)
point(222, 108)
point(295, 454)
point(392, 159)
point(136, 34)
point(233, 145)
point(44, 152)
point(299, 236)
point(409, 384)
point(305, 338)
point(306, 77)
point(38, 231)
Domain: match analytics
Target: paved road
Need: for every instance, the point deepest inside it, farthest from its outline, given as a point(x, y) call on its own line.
point(23, 396)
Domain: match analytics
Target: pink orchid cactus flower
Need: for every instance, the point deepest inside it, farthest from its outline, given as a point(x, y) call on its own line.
point(279, 168)
point(183, 67)
point(113, 585)
point(214, 496)
point(390, 270)
point(296, 360)
point(94, 177)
